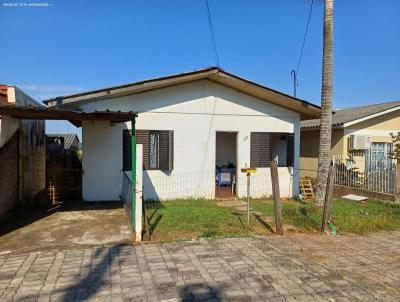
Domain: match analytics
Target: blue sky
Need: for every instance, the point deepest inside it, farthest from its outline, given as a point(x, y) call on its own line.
point(72, 46)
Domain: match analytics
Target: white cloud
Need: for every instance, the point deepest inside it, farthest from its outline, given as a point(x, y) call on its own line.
point(42, 92)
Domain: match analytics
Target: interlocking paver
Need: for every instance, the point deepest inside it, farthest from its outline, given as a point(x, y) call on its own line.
point(276, 268)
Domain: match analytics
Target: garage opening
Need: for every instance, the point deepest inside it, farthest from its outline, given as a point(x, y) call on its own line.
point(225, 164)
point(63, 168)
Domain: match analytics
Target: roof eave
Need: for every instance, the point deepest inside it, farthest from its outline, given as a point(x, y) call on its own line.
point(311, 128)
point(371, 116)
point(132, 88)
point(306, 109)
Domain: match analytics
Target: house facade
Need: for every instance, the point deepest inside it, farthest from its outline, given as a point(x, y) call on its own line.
point(358, 132)
point(192, 126)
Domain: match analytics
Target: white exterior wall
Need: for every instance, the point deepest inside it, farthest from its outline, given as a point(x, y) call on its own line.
point(101, 161)
point(195, 112)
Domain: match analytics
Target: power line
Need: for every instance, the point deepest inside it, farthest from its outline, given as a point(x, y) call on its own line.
point(304, 39)
point(294, 73)
point(215, 114)
point(212, 33)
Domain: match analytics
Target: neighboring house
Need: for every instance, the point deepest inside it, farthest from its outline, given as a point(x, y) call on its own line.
point(191, 126)
point(69, 142)
point(22, 154)
point(358, 130)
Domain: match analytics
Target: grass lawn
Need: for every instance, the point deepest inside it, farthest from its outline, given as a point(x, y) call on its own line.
point(188, 219)
point(347, 216)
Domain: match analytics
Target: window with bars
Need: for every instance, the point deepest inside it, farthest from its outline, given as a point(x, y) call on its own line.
point(380, 156)
point(158, 149)
point(154, 154)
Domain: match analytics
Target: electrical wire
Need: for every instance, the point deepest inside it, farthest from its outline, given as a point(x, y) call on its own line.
point(215, 114)
point(212, 33)
point(304, 39)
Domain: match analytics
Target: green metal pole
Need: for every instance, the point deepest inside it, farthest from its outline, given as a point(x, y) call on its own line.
point(248, 199)
point(133, 174)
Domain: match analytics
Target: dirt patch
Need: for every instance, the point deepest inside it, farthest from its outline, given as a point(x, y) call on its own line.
point(236, 204)
point(174, 236)
point(68, 228)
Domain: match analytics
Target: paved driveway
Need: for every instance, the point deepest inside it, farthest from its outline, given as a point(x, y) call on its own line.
point(289, 268)
point(70, 227)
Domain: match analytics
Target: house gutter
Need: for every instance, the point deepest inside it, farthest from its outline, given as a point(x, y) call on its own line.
point(313, 128)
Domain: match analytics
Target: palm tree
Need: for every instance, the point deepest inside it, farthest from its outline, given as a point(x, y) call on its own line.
point(326, 105)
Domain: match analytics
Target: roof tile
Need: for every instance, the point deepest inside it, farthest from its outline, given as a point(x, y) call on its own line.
point(68, 138)
point(346, 115)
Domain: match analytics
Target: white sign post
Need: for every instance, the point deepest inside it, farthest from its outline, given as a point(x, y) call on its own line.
point(139, 194)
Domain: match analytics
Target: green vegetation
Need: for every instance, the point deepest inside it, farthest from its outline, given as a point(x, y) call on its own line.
point(188, 219)
point(396, 143)
point(347, 216)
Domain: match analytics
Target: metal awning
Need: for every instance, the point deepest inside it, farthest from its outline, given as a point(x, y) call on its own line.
point(75, 117)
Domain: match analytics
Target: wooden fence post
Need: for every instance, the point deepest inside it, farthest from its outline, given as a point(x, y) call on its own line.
point(397, 197)
point(277, 197)
point(328, 199)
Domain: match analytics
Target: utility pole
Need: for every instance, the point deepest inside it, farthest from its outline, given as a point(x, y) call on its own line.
point(294, 77)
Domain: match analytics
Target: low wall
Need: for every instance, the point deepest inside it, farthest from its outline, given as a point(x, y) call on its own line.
point(339, 191)
point(261, 183)
point(9, 175)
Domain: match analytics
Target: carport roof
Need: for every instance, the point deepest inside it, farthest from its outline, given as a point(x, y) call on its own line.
point(75, 117)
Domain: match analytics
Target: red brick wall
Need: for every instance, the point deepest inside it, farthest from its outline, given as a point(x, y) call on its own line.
point(9, 175)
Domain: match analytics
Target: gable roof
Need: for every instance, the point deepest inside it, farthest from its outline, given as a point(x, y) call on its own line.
point(68, 139)
point(306, 109)
point(344, 117)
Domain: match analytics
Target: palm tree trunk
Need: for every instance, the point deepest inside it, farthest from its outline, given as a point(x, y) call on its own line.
point(326, 105)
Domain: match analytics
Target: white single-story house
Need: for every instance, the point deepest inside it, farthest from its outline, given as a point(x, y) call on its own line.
point(195, 127)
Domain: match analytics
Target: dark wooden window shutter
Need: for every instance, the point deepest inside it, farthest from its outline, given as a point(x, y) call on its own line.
point(260, 149)
point(142, 137)
point(126, 150)
point(171, 150)
point(166, 150)
point(290, 149)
